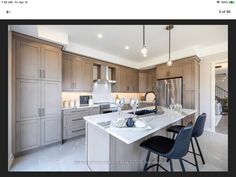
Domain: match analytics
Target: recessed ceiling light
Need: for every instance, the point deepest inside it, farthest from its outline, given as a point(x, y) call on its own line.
point(126, 47)
point(99, 35)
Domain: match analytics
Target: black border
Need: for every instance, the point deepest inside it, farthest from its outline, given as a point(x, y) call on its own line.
point(4, 92)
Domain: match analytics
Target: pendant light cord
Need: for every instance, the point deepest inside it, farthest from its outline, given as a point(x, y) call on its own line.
point(143, 35)
point(169, 42)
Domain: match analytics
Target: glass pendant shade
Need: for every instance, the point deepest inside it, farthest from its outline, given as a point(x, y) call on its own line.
point(144, 51)
point(169, 63)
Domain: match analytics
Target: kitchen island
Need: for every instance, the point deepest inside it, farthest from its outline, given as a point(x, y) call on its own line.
point(109, 148)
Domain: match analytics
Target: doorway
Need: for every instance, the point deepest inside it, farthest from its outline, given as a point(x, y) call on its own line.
point(221, 97)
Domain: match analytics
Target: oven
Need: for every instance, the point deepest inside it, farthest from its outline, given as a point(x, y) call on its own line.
point(107, 108)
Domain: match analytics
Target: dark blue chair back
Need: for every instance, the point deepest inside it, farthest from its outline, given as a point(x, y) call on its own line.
point(182, 141)
point(199, 125)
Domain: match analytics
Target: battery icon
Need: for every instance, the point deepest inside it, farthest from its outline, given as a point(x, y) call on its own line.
point(231, 2)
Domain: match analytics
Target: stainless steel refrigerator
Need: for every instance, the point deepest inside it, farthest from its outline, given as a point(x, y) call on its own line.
point(170, 91)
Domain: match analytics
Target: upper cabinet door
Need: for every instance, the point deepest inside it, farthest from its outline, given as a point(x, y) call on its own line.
point(78, 74)
point(67, 71)
point(28, 99)
point(162, 72)
point(27, 57)
point(51, 102)
point(142, 82)
point(188, 76)
point(116, 86)
point(151, 80)
point(88, 75)
point(51, 63)
point(176, 71)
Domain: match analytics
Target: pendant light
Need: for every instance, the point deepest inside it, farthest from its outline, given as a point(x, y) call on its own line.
point(169, 28)
point(144, 50)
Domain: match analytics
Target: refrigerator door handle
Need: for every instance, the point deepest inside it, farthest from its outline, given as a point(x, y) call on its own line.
point(167, 96)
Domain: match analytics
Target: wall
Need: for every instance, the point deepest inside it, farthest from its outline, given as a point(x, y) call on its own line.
point(102, 93)
point(206, 81)
point(66, 96)
point(9, 97)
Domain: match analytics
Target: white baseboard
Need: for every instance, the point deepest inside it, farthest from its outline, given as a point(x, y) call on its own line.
point(217, 119)
point(10, 160)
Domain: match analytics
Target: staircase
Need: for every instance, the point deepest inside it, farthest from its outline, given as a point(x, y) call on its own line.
point(222, 97)
point(220, 92)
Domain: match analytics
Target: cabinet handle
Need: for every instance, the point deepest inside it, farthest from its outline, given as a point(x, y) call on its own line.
point(79, 111)
point(43, 73)
point(76, 119)
point(43, 111)
point(77, 130)
point(39, 111)
point(40, 73)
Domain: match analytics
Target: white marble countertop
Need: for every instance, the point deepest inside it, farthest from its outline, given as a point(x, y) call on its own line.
point(130, 135)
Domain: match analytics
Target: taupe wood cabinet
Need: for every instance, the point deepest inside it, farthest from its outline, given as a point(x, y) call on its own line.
point(151, 80)
point(77, 73)
point(142, 81)
point(37, 61)
point(127, 80)
point(37, 67)
point(191, 87)
point(188, 68)
point(147, 80)
point(88, 75)
point(73, 122)
point(164, 71)
point(27, 135)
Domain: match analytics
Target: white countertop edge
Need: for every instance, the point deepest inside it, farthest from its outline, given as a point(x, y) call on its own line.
point(145, 134)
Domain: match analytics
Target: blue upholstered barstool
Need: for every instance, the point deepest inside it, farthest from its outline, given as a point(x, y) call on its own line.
point(197, 131)
point(169, 148)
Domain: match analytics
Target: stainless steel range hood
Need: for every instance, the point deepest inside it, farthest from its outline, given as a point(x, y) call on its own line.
point(103, 77)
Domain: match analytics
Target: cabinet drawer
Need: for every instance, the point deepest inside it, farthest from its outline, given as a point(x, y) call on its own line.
point(74, 120)
point(76, 111)
point(70, 132)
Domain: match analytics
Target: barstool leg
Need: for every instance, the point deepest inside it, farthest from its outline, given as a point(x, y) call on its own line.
point(200, 152)
point(171, 165)
point(147, 160)
point(158, 158)
point(194, 155)
point(182, 165)
point(173, 137)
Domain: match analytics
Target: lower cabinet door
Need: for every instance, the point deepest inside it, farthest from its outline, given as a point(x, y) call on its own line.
point(27, 135)
point(50, 130)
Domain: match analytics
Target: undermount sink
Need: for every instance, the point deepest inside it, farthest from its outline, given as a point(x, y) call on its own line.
point(143, 112)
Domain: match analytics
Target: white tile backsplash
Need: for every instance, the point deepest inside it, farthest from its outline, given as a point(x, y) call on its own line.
point(102, 93)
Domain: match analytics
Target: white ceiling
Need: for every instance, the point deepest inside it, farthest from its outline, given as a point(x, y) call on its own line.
point(116, 37)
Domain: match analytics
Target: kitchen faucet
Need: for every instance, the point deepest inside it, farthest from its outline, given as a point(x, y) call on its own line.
point(155, 99)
